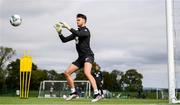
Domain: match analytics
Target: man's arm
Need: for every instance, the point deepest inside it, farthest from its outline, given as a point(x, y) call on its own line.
point(82, 33)
point(66, 39)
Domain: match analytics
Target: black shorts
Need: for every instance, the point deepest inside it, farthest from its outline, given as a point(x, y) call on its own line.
point(81, 60)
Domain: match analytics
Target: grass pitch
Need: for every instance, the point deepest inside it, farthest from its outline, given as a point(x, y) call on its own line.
point(59, 101)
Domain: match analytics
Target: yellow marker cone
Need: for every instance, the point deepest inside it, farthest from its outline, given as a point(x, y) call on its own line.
point(25, 75)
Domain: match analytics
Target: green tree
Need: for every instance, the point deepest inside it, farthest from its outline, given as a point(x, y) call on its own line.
point(53, 75)
point(12, 79)
point(132, 80)
point(116, 76)
point(107, 81)
point(2, 78)
point(60, 76)
point(118, 73)
point(5, 55)
point(80, 75)
point(37, 77)
point(111, 80)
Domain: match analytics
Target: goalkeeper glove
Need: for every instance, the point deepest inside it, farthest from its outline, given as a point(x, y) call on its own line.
point(65, 25)
point(58, 27)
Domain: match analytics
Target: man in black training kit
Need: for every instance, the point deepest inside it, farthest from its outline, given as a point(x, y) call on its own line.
point(85, 54)
point(97, 74)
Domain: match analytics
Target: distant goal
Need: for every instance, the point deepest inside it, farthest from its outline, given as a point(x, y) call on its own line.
point(59, 89)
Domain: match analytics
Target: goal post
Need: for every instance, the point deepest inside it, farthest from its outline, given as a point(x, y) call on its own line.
point(59, 89)
point(170, 48)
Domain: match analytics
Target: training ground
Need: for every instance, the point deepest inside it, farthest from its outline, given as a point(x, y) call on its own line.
point(60, 101)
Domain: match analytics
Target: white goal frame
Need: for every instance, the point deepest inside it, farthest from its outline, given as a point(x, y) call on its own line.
point(42, 86)
point(170, 48)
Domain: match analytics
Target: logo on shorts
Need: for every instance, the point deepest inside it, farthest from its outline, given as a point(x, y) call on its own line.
point(87, 59)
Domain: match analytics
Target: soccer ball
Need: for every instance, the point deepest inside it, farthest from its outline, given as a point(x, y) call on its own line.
point(64, 96)
point(15, 20)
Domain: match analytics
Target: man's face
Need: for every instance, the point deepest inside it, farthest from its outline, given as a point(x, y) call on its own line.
point(80, 22)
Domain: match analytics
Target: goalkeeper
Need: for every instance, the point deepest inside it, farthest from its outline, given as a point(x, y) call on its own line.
point(85, 54)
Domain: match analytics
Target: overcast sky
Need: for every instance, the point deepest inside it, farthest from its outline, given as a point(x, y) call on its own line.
point(125, 34)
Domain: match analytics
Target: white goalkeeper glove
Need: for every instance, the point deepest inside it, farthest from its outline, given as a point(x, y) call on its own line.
point(58, 27)
point(65, 25)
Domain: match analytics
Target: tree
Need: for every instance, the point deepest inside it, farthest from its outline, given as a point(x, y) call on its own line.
point(107, 80)
point(80, 75)
point(117, 74)
point(12, 79)
point(60, 76)
point(53, 75)
point(2, 78)
point(132, 80)
point(37, 77)
point(5, 54)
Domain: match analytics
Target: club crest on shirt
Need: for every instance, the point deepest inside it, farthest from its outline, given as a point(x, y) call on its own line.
point(85, 29)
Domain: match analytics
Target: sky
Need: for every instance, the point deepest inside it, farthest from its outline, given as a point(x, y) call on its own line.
point(125, 34)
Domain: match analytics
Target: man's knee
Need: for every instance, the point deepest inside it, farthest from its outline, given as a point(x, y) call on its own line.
point(66, 74)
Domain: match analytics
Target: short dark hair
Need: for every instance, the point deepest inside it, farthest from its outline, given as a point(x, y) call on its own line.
point(82, 16)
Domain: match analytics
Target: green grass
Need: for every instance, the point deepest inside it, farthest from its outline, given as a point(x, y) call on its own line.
point(57, 101)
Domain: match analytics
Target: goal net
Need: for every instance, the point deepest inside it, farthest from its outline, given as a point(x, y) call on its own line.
point(60, 89)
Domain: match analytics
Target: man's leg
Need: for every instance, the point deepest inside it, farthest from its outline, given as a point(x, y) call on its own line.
point(72, 68)
point(87, 71)
point(98, 87)
point(101, 89)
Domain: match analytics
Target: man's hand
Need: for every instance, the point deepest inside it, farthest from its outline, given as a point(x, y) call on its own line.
point(58, 27)
point(65, 25)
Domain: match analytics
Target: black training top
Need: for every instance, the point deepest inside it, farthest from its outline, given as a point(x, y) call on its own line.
point(82, 39)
